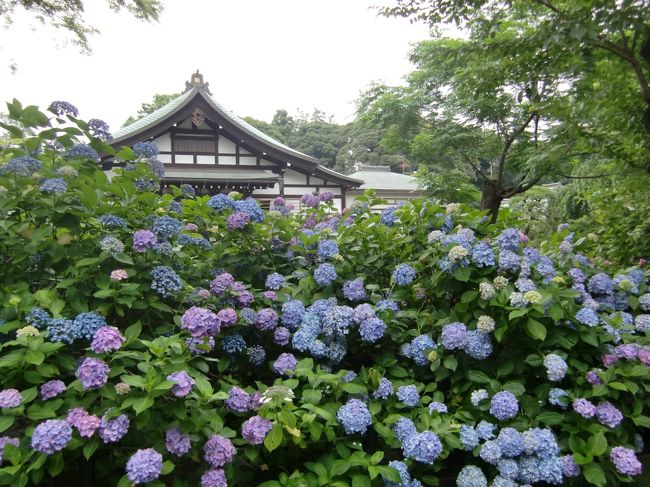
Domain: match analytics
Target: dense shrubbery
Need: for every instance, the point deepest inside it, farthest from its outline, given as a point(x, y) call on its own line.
point(183, 340)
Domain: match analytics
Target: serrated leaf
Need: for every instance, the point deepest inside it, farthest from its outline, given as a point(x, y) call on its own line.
point(274, 438)
point(535, 329)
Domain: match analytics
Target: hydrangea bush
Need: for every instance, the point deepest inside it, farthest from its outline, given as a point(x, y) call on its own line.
point(188, 340)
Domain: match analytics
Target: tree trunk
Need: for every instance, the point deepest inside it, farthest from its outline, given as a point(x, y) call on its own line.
point(490, 200)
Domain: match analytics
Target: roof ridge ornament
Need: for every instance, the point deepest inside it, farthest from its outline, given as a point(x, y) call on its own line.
point(197, 80)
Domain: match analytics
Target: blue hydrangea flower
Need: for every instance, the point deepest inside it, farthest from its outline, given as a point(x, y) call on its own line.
point(601, 284)
point(145, 149)
point(508, 468)
point(408, 395)
point(469, 437)
point(511, 442)
point(439, 407)
point(388, 216)
point(37, 317)
point(53, 185)
point(485, 430)
point(454, 336)
point(112, 221)
point(509, 239)
point(221, 202)
point(546, 269)
point(60, 108)
point(555, 396)
point(250, 207)
point(354, 290)
point(418, 349)
point(490, 452)
point(21, 166)
point(256, 355)
point(403, 428)
point(60, 330)
point(83, 151)
point(588, 316)
point(422, 447)
point(477, 396)
point(482, 255)
point(556, 367)
point(86, 324)
point(325, 274)
point(165, 281)
point(274, 281)
point(471, 476)
point(403, 275)
point(504, 405)
point(233, 344)
point(389, 304)
point(508, 261)
point(372, 329)
point(327, 249)
point(479, 344)
point(385, 389)
point(354, 416)
point(292, 313)
point(167, 227)
point(98, 128)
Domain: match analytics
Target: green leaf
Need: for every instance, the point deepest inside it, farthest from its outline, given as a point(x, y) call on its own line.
point(462, 274)
point(142, 403)
point(274, 438)
point(90, 447)
point(363, 480)
point(132, 332)
point(377, 457)
point(516, 313)
point(339, 467)
point(550, 417)
point(643, 421)
point(204, 386)
point(352, 388)
point(478, 377)
point(35, 357)
point(6, 422)
point(594, 474)
point(596, 444)
point(104, 293)
point(535, 329)
point(450, 362)
point(168, 467)
point(312, 396)
point(124, 258)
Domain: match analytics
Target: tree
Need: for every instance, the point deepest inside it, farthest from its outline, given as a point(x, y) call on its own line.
point(145, 109)
point(468, 109)
point(69, 14)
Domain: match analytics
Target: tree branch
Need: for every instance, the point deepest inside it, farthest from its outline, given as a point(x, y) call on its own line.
point(475, 167)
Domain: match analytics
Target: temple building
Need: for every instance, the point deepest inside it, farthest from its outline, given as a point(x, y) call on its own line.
point(394, 187)
point(205, 145)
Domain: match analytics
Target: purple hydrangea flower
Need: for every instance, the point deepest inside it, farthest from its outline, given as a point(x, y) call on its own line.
point(454, 336)
point(569, 466)
point(144, 466)
point(184, 383)
point(325, 274)
point(482, 255)
point(52, 389)
point(255, 429)
point(281, 335)
point(165, 281)
point(218, 451)
point(504, 405)
point(608, 414)
point(84, 422)
point(51, 436)
point(408, 395)
point(113, 430)
point(292, 313)
point(106, 338)
point(274, 281)
point(625, 461)
point(267, 319)
point(227, 317)
point(354, 290)
point(10, 398)
point(354, 416)
point(285, 364)
point(143, 240)
point(238, 220)
point(221, 202)
point(200, 322)
point(509, 239)
point(327, 249)
point(60, 108)
point(93, 373)
point(238, 400)
point(587, 316)
point(601, 284)
point(221, 283)
point(584, 408)
point(177, 443)
point(215, 477)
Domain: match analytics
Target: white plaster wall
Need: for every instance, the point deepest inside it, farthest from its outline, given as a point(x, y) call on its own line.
point(294, 177)
point(184, 159)
point(164, 142)
point(228, 160)
point(247, 161)
point(226, 145)
point(166, 158)
point(205, 160)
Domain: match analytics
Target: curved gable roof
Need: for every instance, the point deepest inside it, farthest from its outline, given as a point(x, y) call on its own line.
point(181, 107)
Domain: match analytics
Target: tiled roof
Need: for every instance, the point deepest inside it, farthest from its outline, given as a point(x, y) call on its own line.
point(380, 177)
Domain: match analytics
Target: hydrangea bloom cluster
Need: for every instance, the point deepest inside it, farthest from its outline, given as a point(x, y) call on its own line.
point(112, 430)
point(106, 339)
point(184, 383)
point(255, 429)
point(625, 461)
point(85, 423)
point(354, 290)
point(93, 373)
point(200, 322)
point(556, 367)
point(218, 451)
point(143, 240)
point(408, 395)
point(504, 405)
point(166, 227)
point(50, 389)
point(403, 275)
point(419, 348)
point(285, 364)
point(165, 281)
point(51, 436)
point(53, 186)
point(177, 443)
point(354, 416)
point(274, 281)
point(327, 249)
point(145, 149)
point(10, 398)
point(144, 466)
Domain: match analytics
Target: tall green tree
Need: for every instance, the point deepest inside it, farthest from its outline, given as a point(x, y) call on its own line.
point(68, 15)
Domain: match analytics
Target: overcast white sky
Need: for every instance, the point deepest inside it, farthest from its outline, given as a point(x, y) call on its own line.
point(257, 55)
